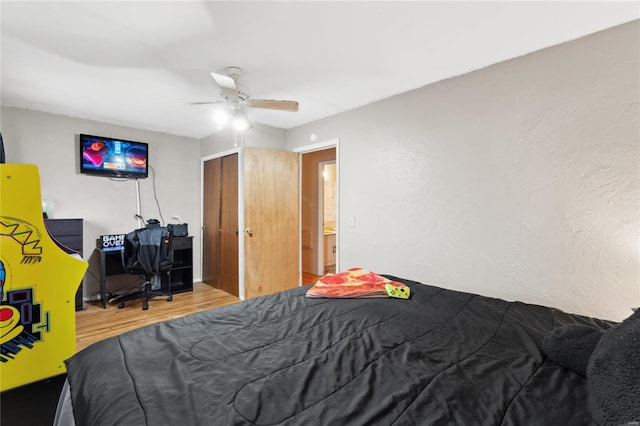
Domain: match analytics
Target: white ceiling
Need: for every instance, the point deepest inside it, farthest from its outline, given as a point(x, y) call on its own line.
point(140, 63)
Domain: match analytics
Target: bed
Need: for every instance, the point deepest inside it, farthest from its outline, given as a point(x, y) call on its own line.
point(440, 357)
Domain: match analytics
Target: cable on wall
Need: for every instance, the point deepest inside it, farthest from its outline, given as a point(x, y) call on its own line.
point(155, 194)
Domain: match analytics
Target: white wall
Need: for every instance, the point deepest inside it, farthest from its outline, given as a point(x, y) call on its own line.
point(107, 206)
point(260, 136)
point(519, 181)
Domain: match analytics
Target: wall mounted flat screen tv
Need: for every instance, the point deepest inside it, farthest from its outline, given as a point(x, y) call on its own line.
point(117, 158)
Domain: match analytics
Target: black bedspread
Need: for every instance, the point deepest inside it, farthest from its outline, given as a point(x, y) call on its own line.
point(439, 358)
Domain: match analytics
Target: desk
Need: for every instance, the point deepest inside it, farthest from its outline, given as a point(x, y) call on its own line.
point(181, 273)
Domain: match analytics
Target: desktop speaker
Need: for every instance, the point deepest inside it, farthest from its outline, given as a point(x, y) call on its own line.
point(178, 229)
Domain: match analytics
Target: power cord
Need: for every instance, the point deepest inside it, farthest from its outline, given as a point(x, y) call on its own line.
point(155, 194)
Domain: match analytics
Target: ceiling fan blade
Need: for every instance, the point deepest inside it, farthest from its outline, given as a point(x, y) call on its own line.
point(227, 84)
point(224, 81)
point(206, 102)
point(273, 104)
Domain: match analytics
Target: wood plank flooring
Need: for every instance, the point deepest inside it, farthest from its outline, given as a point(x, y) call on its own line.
point(94, 323)
point(309, 278)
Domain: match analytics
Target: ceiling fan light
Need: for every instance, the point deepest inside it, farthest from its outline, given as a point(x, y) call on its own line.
point(240, 124)
point(221, 117)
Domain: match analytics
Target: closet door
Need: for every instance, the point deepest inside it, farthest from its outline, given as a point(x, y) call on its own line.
point(271, 221)
point(220, 223)
point(211, 192)
point(229, 232)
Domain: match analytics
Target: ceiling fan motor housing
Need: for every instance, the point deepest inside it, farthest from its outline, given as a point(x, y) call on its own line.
point(238, 98)
point(234, 72)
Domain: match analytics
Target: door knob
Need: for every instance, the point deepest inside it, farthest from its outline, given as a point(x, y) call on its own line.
point(249, 232)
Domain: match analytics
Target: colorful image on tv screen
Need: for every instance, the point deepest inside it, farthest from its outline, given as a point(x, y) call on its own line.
point(113, 155)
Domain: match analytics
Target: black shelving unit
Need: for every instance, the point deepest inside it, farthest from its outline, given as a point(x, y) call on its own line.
point(181, 273)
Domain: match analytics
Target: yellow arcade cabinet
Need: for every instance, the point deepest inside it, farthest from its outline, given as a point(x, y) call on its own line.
point(38, 282)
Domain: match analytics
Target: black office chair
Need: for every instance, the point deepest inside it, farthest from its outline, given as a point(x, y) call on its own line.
point(147, 251)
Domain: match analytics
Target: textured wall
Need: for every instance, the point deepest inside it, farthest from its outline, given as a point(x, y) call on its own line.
point(520, 180)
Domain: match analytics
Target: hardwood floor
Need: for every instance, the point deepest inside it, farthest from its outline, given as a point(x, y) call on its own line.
point(309, 278)
point(94, 323)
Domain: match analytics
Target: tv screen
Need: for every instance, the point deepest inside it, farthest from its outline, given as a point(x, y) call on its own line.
point(110, 157)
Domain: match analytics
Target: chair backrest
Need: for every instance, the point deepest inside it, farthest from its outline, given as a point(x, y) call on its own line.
point(148, 250)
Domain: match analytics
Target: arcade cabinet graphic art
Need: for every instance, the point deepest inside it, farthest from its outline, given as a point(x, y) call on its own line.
point(38, 282)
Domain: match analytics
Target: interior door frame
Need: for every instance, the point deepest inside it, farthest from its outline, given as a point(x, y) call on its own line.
point(239, 152)
point(320, 258)
point(331, 143)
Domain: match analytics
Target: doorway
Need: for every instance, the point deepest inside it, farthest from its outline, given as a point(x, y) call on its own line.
point(327, 216)
point(319, 209)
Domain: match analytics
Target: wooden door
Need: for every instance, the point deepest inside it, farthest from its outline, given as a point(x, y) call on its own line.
point(229, 226)
point(220, 223)
point(211, 183)
point(271, 221)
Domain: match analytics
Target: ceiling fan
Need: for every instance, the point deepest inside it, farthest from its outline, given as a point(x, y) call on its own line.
point(237, 98)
